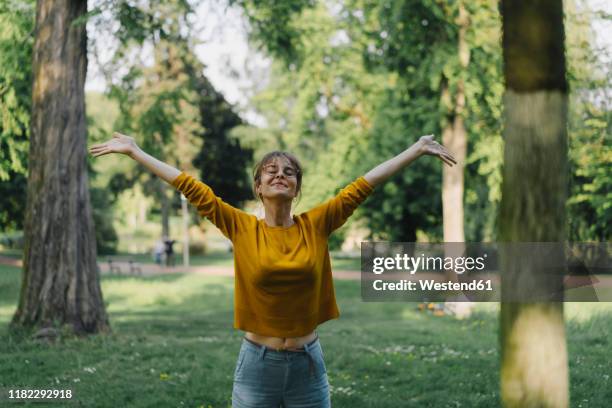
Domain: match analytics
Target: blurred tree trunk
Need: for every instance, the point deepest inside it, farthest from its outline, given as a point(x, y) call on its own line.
point(454, 138)
point(60, 277)
point(165, 208)
point(534, 371)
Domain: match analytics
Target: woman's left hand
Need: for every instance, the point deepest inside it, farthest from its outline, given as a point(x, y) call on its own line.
point(433, 148)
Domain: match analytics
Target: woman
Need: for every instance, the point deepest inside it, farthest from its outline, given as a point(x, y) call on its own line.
point(283, 280)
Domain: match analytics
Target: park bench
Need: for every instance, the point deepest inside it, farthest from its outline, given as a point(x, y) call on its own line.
point(114, 265)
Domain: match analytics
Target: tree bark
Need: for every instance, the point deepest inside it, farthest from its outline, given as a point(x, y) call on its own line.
point(60, 283)
point(534, 371)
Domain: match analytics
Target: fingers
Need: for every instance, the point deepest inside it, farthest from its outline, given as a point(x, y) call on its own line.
point(98, 146)
point(446, 160)
point(447, 154)
point(99, 150)
point(450, 157)
point(96, 153)
point(447, 157)
point(436, 149)
point(444, 155)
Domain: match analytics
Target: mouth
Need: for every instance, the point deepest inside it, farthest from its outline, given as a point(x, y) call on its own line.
point(279, 184)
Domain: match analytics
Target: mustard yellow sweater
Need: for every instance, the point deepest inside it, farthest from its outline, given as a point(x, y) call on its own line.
point(282, 275)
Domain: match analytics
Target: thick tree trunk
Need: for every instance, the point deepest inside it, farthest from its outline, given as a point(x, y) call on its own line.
point(534, 371)
point(60, 276)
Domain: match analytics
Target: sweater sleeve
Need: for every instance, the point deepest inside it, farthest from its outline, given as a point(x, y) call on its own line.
point(230, 220)
point(333, 213)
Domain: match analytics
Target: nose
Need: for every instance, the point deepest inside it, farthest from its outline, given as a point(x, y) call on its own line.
point(279, 174)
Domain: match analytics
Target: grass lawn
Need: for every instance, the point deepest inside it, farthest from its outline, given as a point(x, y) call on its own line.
point(213, 258)
point(173, 345)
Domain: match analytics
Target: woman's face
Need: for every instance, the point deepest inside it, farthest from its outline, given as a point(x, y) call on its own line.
point(278, 180)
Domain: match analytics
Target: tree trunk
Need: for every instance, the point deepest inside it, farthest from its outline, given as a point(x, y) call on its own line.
point(60, 283)
point(165, 208)
point(454, 138)
point(534, 371)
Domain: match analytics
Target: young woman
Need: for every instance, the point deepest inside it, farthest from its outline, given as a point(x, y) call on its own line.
point(283, 280)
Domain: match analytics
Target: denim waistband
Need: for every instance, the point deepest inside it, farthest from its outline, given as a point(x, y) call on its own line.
point(308, 349)
point(282, 350)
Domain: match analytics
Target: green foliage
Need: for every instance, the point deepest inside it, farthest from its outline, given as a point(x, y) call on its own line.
point(100, 115)
point(418, 40)
point(223, 161)
point(274, 27)
point(170, 106)
point(106, 236)
point(589, 206)
point(367, 85)
point(411, 200)
point(155, 102)
point(387, 61)
point(12, 205)
point(12, 241)
point(158, 106)
point(336, 239)
point(353, 84)
point(590, 202)
point(16, 42)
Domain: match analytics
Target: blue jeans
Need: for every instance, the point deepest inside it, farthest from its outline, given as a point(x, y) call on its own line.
point(267, 378)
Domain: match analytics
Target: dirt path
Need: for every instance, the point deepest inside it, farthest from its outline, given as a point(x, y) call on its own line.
point(5, 260)
point(154, 269)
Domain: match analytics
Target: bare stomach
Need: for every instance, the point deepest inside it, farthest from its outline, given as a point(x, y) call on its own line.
point(281, 342)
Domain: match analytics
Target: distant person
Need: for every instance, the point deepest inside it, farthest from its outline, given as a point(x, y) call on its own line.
point(283, 280)
point(169, 250)
point(158, 251)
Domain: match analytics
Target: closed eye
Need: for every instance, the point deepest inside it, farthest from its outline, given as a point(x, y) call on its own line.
point(287, 171)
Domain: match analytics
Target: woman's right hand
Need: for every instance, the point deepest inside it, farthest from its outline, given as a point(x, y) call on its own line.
point(118, 144)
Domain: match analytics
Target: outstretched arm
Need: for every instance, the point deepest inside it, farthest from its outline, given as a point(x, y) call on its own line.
point(425, 145)
point(161, 169)
point(226, 217)
point(126, 145)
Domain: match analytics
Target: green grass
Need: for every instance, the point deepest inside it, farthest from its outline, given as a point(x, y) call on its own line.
point(173, 344)
point(216, 258)
point(213, 258)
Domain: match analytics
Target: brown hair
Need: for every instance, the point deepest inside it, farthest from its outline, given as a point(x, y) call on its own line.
point(268, 157)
